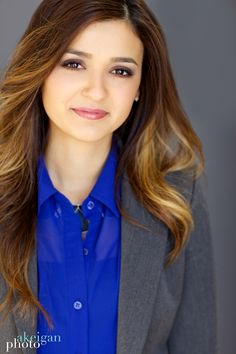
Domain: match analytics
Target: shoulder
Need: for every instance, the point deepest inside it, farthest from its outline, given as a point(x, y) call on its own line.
point(192, 189)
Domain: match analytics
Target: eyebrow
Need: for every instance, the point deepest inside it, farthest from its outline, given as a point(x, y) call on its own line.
point(89, 56)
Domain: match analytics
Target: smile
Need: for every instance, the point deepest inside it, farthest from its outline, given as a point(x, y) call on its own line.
point(93, 114)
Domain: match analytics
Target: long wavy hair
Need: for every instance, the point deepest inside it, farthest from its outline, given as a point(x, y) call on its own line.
point(157, 137)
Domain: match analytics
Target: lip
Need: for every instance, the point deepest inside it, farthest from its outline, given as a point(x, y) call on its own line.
point(90, 113)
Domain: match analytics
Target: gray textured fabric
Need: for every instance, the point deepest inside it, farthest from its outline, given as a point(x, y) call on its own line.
point(161, 311)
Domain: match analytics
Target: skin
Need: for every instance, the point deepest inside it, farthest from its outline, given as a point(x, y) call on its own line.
point(95, 82)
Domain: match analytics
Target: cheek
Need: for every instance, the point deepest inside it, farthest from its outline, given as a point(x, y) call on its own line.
point(57, 88)
point(125, 93)
point(124, 100)
point(52, 102)
point(54, 95)
point(122, 108)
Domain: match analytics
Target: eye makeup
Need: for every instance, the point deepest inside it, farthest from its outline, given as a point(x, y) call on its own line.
point(75, 64)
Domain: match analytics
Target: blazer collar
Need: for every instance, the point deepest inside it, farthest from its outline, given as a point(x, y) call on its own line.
point(142, 260)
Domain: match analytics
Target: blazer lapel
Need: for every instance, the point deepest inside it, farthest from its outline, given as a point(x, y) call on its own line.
point(142, 260)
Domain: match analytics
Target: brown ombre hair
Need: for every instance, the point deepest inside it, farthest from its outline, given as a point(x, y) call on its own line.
point(157, 137)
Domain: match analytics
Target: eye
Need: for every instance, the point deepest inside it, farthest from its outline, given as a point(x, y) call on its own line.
point(71, 64)
point(122, 72)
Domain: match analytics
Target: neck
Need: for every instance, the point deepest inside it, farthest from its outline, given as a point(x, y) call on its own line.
point(74, 166)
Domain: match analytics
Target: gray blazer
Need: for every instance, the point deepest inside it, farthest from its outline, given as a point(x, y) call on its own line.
point(160, 311)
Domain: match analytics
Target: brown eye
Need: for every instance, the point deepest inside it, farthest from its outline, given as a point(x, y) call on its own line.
point(71, 64)
point(123, 72)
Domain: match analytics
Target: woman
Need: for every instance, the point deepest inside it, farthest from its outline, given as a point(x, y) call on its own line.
point(105, 236)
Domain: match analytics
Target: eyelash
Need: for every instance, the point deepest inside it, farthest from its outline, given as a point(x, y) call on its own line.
point(66, 64)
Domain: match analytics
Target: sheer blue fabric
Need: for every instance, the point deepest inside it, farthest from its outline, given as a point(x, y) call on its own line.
point(78, 280)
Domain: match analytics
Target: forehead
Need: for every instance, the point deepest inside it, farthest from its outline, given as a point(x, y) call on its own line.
point(109, 37)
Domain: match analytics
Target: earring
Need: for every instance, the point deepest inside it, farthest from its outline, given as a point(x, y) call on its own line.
point(136, 99)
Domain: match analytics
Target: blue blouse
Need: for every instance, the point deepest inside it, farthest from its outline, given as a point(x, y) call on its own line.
point(78, 279)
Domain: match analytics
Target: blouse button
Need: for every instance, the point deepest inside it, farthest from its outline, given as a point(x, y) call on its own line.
point(86, 251)
point(77, 305)
point(90, 205)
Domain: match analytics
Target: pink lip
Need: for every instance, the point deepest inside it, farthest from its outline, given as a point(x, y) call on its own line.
point(89, 113)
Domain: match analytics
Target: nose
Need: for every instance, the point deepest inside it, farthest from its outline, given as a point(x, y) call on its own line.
point(95, 87)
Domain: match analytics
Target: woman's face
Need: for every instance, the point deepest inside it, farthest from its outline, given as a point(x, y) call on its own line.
point(101, 69)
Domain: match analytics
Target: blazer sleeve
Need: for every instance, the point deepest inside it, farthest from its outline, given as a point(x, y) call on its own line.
point(195, 325)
